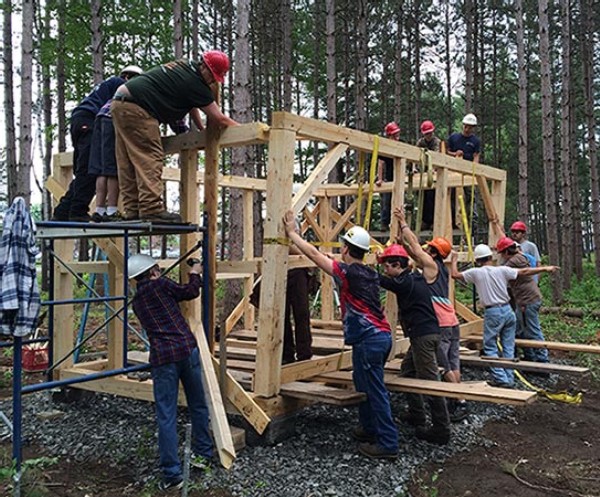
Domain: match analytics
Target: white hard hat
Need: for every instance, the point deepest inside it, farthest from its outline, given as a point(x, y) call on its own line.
point(138, 264)
point(470, 119)
point(482, 251)
point(357, 236)
point(133, 70)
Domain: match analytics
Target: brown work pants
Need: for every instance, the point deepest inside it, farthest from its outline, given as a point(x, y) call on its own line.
point(140, 155)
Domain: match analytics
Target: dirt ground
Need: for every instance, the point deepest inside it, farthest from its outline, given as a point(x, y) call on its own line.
point(550, 449)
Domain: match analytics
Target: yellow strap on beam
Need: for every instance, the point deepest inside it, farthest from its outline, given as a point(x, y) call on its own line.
point(277, 241)
point(466, 226)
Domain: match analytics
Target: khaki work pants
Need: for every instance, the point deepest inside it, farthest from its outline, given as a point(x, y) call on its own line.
point(139, 159)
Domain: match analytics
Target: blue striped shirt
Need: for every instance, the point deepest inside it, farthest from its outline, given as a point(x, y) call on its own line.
point(156, 305)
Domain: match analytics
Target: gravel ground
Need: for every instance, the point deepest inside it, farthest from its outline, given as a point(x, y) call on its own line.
point(321, 460)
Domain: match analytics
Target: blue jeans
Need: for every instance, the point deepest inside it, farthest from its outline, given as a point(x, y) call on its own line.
point(500, 322)
point(166, 389)
point(375, 414)
point(529, 328)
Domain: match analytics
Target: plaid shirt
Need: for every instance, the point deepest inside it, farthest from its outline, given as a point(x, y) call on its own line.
point(156, 306)
point(19, 294)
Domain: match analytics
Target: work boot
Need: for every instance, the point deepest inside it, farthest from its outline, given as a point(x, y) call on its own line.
point(359, 434)
point(434, 435)
point(164, 217)
point(460, 412)
point(410, 419)
point(97, 217)
point(131, 216)
point(375, 451)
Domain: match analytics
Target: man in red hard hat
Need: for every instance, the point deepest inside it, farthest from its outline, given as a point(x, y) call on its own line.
point(431, 261)
point(420, 325)
point(431, 142)
point(385, 172)
point(518, 232)
point(165, 94)
point(527, 299)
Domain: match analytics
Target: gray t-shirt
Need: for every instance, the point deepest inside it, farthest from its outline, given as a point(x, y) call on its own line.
point(530, 248)
point(491, 283)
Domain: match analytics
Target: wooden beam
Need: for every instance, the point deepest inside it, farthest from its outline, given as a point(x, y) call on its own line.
point(275, 254)
point(537, 344)
point(441, 203)
point(471, 328)
point(224, 181)
point(248, 246)
point(539, 367)
point(216, 409)
point(479, 391)
point(465, 312)
point(233, 136)
point(317, 176)
point(496, 230)
point(317, 392)
point(116, 334)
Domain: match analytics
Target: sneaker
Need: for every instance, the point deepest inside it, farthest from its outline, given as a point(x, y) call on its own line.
point(460, 412)
point(359, 433)
point(112, 218)
point(374, 451)
point(168, 484)
point(164, 217)
point(411, 419)
point(433, 435)
point(97, 218)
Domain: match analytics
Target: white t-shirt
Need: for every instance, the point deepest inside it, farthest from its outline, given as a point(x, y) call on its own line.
point(491, 283)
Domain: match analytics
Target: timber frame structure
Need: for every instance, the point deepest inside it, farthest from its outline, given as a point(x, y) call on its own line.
point(248, 355)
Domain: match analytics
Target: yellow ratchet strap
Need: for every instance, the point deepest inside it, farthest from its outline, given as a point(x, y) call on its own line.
point(277, 241)
point(372, 174)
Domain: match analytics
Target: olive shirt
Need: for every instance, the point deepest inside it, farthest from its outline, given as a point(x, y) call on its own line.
point(169, 93)
point(524, 289)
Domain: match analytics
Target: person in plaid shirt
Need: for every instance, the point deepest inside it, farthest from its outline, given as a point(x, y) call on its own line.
point(174, 356)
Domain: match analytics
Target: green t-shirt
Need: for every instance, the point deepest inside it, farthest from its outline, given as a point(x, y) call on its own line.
point(169, 94)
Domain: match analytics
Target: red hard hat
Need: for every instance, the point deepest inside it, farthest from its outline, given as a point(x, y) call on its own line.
point(394, 250)
point(391, 128)
point(442, 245)
point(518, 226)
point(217, 62)
point(504, 243)
point(427, 127)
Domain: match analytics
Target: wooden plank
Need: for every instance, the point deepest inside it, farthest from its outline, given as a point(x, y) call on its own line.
point(484, 362)
point(116, 338)
point(273, 287)
point(344, 220)
point(317, 176)
point(326, 290)
point(248, 247)
point(465, 312)
point(479, 391)
point(87, 267)
point(494, 222)
point(224, 180)
point(536, 344)
point(216, 409)
point(313, 223)
point(245, 134)
point(317, 392)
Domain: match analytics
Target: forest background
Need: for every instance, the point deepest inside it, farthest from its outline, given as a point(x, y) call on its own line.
point(526, 69)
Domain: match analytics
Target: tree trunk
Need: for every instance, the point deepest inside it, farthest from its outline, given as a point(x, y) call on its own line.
point(587, 59)
point(417, 73)
point(337, 174)
point(97, 41)
point(9, 103)
point(22, 185)
point(61, 78)
point(362, 55)
point(448, 66)
point(469, 49)
point(286, 60)
point(241, 157)
point(565, 147)
point(177, 30)
point(548, 148)
point(523, 203)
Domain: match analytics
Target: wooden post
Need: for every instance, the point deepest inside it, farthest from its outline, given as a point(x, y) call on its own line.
point(327, 310)
point(499, 200)
point(441, 202)
point(190, 211)
point(115, 327)
point(248, 200)
point(269, 347)
point(211, 202)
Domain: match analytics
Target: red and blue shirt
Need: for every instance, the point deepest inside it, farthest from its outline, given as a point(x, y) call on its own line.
point(362, 313)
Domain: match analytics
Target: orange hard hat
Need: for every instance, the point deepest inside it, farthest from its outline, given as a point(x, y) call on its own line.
point(217, 62)
point(394, 250)
point(391, 128)
point(504, 243)
point(443, 246)
point(518, 226)
point(427, 127)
